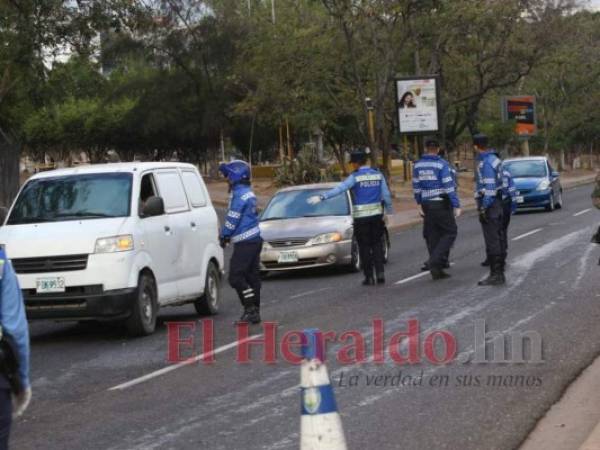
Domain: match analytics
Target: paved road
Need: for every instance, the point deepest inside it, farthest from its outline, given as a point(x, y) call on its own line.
point(552, 290)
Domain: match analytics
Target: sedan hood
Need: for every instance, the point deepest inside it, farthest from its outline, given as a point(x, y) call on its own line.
point(75, 237)
point(303, 227)
point(527, 183)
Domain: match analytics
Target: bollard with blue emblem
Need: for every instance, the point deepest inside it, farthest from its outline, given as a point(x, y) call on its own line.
point(320, 426)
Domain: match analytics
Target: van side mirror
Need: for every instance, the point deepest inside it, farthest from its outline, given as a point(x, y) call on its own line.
point(3, 214)
point(155, 206)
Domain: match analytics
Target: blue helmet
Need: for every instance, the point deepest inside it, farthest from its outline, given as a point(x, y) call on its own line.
point(236, 171)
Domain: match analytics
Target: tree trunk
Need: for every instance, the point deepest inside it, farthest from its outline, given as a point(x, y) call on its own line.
point(10, 153)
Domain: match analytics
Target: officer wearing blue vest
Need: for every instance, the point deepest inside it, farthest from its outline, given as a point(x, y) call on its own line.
point(370, 194)
point(434, 190)
point(242, 230)
point(15, 388)
point(488, 194)
point(509, 207)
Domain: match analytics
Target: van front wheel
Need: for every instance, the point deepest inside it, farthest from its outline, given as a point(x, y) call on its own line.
point(142, 320)
point(208, 304)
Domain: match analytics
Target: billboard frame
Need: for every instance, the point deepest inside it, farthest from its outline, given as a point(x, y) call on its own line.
point(528, 98)
point(438, 102)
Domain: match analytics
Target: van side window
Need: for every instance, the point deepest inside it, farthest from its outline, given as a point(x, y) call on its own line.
point(194, 188)
point(171, 191)
point(147, 190)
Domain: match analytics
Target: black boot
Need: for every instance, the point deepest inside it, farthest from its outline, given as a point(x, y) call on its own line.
point(438, 274)
point(425, 267)
point(486, 263)
point(368, 281)
point(246, 316)
point(496, 277)
point(380, 278)
point(254, 315)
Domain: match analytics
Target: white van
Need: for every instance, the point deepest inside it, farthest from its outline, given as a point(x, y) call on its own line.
point(115, 241)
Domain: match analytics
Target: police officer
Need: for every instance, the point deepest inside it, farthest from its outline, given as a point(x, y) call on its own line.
point(509, 207)
point(434, 189)
point(242, 230)
point(596, 202)
point(488, 194)
point(370, 194)
point(442, 154)
point(15, 388)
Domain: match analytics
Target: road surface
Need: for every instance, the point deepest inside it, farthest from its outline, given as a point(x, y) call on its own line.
point(552, 290)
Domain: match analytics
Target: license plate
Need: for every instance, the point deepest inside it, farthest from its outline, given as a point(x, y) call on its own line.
point(49, 285)
point(520, 199)
point(288, 257)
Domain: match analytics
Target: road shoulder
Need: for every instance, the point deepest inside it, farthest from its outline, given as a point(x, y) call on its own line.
point(573, 419)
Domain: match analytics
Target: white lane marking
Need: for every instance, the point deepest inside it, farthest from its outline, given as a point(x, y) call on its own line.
point(304, 294)
point(187, 362)
point(537, 230)
point(414, 277)
point(417, 276)
point(582, 212)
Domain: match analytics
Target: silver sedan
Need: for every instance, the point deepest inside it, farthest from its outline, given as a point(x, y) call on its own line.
point(300, 236)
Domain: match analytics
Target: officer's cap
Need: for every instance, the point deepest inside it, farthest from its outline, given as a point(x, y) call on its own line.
point(432, 143)
point(480, 140)
point(359, 156)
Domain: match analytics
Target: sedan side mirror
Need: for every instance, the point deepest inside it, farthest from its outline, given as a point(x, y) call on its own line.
point(154, 206)
point(555, 174)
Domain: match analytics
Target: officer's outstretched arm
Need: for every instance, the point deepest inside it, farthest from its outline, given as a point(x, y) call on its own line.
point(339, 189)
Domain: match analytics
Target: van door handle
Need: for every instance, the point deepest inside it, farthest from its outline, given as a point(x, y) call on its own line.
point(193, 224)
point(167, 229)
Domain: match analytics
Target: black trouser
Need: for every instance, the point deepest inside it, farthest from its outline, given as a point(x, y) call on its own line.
point(493, 230)
point(440, 230)
point(506, 213)
point(244, 271)
point(369, 236)
point(5, 417)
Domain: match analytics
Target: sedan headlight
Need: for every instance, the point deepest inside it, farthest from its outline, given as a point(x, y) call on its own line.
point(114, 244)
point(326, 238)
point(545, 184)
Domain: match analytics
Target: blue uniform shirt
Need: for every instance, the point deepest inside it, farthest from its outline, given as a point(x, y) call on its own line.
point(489, 178)
point(241, 223)
point(369, 191)
point(509, 190)
point(12, 316)
point(433, 180)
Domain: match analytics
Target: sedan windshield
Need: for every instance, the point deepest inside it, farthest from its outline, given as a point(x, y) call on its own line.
point(73, 197)
point(527, 169)
point(294, 204)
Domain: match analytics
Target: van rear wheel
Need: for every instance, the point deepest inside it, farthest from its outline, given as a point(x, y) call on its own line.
point(208, 304)
point(142, 320)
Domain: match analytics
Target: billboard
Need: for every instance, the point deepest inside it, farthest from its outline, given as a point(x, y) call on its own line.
point(418, 104)
point(521, 109)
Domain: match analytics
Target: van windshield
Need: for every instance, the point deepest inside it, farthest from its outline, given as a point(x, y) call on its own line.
point(73, 197)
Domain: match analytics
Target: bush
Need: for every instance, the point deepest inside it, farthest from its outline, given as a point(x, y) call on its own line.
point(304, 169)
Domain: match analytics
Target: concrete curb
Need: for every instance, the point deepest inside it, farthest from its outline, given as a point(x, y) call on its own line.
point(593, 440)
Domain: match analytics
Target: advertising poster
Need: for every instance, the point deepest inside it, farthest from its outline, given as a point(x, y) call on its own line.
point(417, 102)
point(521, 109)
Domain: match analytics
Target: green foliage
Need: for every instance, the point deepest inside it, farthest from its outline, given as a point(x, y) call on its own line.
point(304, 169)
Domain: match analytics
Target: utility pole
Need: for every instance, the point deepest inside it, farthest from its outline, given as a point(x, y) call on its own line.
point(371, 125)
point(273, 11)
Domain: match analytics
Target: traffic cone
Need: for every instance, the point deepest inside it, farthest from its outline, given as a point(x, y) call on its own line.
point(320, 425)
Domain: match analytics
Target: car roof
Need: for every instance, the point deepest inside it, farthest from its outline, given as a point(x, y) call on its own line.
point(128, 167)
point(527, 158)
point(306, 187)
